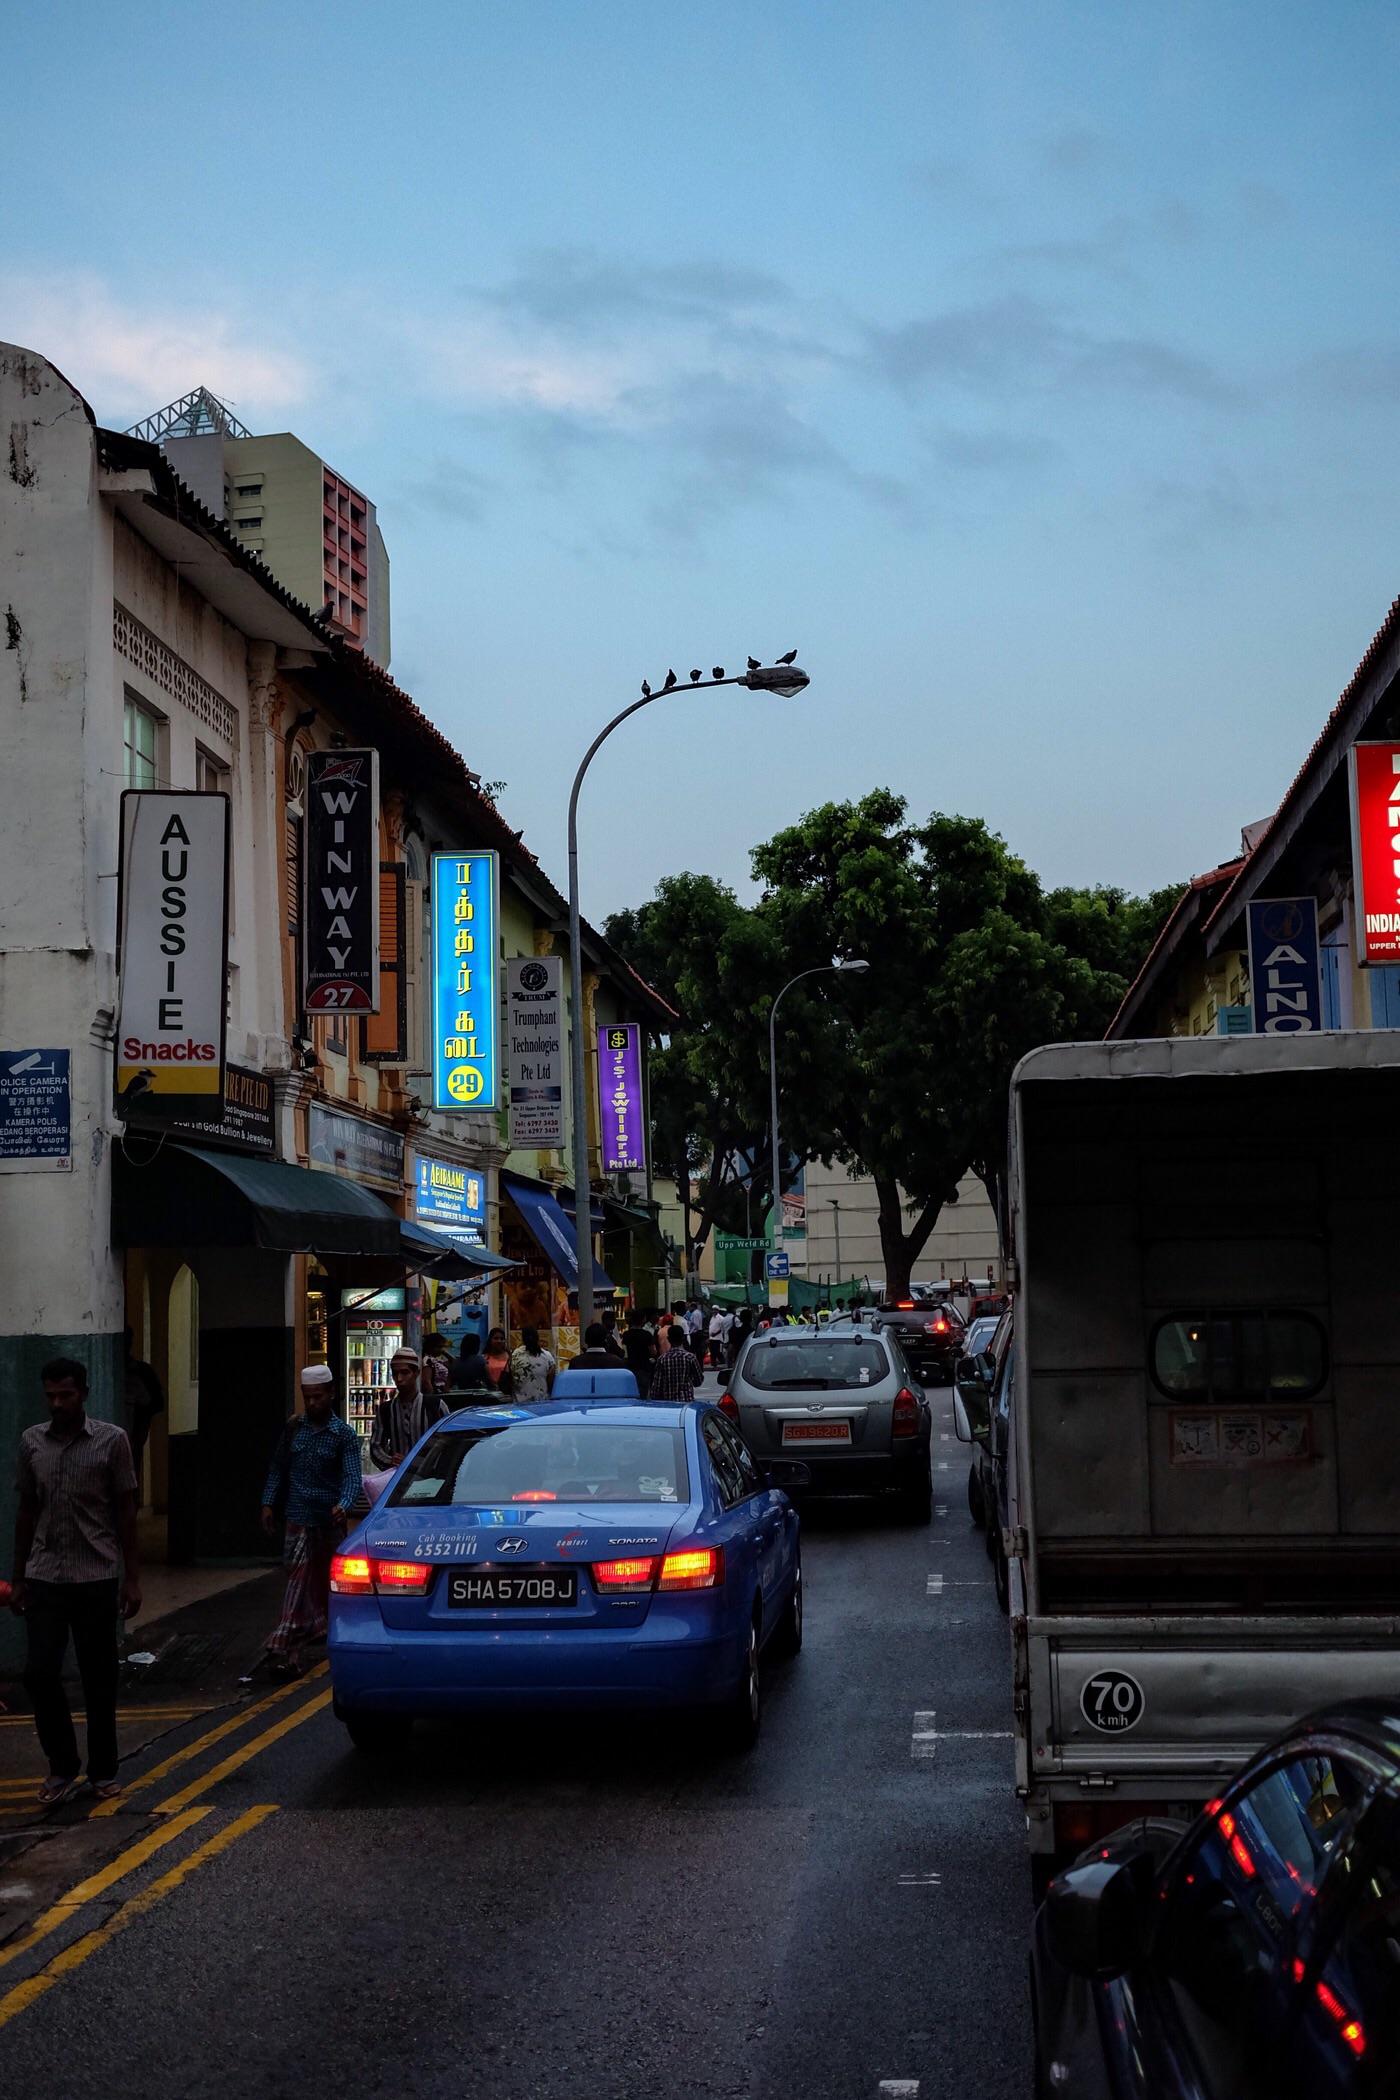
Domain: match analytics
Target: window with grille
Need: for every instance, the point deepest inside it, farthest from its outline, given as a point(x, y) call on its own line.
point(384, 1036)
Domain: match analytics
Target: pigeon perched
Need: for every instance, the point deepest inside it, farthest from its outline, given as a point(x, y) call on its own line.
point(790, 658)
point(754, 664)
point(646, 690)
point(717, 671)
point(670, 681)
point(694, 677)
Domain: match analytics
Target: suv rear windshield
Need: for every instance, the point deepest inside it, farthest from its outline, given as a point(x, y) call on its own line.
point(838, 1363)
point(547, 1462)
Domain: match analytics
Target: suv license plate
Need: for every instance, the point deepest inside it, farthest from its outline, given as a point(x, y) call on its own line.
point(490, 1588)
point(816, 1432)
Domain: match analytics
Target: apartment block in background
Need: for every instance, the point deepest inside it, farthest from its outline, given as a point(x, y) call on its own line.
point(315, 531)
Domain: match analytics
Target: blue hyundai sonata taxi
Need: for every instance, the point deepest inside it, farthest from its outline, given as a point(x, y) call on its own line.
point(557, 1555)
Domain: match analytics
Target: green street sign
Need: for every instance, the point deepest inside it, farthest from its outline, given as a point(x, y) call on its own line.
point(735, 1242)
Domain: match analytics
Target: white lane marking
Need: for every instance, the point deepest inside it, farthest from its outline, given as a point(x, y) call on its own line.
point(940, 1509)
point(935, 1586)
point(900, 2088)
point(942, 1465)
point(923, 1742)
point(944, 1437)
point(920, 1881)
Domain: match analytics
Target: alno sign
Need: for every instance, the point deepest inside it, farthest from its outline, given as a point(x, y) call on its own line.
point(1285, 974)
point(340, 912)
point(173, 947)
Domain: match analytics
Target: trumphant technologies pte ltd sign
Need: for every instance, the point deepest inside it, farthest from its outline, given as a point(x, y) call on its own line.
point(172, 916)
point(535, 1050)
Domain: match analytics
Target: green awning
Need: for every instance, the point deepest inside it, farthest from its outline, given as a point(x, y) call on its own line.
point(166, 1194)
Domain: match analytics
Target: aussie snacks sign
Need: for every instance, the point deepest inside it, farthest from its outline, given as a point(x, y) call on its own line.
point(1375, 838)
point(340, 907)
point(173, 946)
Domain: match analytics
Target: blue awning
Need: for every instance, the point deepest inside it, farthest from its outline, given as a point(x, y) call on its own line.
point(449, 1255)
point(551, 1230)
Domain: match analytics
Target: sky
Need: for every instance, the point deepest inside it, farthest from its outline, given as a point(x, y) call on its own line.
point(1033, 371)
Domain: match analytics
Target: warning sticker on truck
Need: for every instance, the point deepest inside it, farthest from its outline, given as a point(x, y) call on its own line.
point(1231, 1437)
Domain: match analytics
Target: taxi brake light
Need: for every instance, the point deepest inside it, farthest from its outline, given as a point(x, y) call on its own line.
point(635, 1574)
point(694, 1568)
point(906, 1413)
point(402, 1578)
point(1352, 2033)
point(350, 1575)
point(535, 1495)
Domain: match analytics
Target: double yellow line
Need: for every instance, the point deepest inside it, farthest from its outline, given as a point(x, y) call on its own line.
point(181, 1817)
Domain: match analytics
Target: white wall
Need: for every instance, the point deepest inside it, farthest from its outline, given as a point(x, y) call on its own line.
point(965, 1236)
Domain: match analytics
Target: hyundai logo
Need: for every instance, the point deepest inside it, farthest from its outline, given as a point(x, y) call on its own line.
point(510, 1545)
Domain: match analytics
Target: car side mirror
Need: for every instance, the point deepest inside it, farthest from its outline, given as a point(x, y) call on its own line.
point(1094, 1918)
point(962, 1428)
point(787, 1473)
point(973, 1399)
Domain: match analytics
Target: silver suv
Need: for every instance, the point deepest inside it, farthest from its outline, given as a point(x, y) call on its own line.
point(844, 1402)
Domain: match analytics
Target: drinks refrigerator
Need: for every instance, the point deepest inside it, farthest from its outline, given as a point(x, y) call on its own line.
point(374, 1329)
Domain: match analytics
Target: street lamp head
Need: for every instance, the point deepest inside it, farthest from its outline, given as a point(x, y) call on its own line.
point(855, 963)
point(783, 679)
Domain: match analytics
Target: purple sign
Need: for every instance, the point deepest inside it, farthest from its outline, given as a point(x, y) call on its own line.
point(620, 1098)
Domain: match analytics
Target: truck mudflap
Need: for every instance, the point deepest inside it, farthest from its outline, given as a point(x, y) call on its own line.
point(1177, 1703)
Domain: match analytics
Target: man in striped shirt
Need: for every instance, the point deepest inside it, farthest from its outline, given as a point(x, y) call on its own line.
point(75, 1561)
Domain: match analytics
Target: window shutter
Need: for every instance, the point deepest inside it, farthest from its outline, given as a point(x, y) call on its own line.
point(293, 873)
point(384, 1036)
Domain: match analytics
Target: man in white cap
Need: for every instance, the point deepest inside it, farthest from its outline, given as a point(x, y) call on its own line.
point(312, 1482)
point(407, 1414)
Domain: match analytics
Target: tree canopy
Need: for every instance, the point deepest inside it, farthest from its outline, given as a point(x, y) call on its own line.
point(900, 1072)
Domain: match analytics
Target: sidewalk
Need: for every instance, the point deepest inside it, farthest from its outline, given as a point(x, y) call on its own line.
point(206, 1628)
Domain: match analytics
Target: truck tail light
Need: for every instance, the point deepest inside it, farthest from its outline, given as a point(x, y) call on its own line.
point(906, 1413)
point(693, 1568)
point(635, 1574)
point(351, 1575)
point(402, 1578)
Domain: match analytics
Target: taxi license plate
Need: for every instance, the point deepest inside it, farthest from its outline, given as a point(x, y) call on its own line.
point(816, 1432)
point(491, 1588)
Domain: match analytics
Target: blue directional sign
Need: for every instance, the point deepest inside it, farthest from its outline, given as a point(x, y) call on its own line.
point(1285, 968)
point(778, 1265)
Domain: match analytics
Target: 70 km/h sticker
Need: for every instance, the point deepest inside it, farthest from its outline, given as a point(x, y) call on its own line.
point(1112, 1701)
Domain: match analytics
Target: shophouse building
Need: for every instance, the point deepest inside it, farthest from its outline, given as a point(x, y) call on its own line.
point(328, 1204)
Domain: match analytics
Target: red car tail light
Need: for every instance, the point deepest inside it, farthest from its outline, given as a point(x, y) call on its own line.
point(936, 1327)
point(728, 1405)
point(402, 1578)
point(693, 1568)
point(351, 1575)
point(634, 1574)
point(906, 1413)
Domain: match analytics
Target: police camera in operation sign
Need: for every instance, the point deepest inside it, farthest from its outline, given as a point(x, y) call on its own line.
point(35, 1116)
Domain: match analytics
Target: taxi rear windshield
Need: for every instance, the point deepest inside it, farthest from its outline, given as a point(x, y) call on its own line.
point(841, 1363)
point(546, 1462)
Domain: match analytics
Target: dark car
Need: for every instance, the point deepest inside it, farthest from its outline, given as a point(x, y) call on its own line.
point(1253, 1955)
point(931, 1335)
point(842, 1401)
point(982, 1414)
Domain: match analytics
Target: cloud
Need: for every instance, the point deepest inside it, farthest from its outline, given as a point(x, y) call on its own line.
point(991, 451)
point(1077, 149)
point(449, 489)
point(1021, 344)
point(129, 360)
point(1357, 372)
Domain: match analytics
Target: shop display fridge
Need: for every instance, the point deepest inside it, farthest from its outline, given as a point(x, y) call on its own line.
point(374, 1329)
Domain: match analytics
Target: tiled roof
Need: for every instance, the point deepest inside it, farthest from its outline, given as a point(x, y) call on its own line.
point(1194, 900)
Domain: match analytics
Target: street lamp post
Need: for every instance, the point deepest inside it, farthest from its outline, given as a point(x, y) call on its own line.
point(851, 968)
point(835, 1203)
point(785, 679)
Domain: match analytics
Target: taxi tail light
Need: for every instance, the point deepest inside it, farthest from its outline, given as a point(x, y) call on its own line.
point(1352, 2033)
point(728, 1405)
point(693, 1568)
point(634, 1574)
point(402, 1578)
point(351, 1575)
point(906, 1413)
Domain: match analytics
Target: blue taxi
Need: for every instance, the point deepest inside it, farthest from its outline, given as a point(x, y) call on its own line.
point(564, 1555)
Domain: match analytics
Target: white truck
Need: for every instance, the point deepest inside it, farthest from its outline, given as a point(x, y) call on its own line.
point(1200, 1485)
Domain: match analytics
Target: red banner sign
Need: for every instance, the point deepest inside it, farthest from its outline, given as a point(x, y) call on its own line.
point(1375, 836)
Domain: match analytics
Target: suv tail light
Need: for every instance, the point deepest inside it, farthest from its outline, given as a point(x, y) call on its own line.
point(693, 1568)
point(352, 1575)
point(936, 1327)
point(635, 1574)
point(906, 1413)
point(728, 1405)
